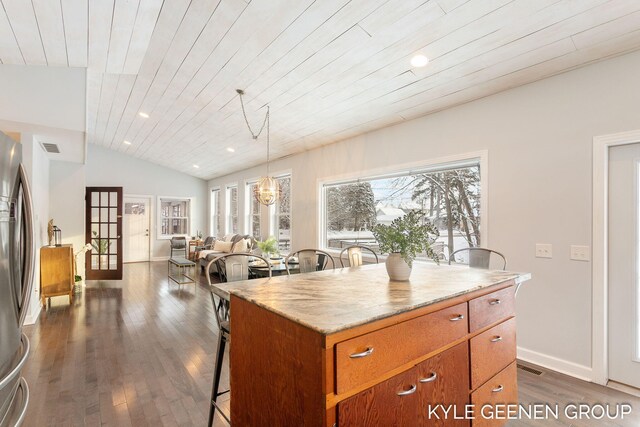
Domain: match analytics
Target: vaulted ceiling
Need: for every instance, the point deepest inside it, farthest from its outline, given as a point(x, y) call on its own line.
point(329, 69)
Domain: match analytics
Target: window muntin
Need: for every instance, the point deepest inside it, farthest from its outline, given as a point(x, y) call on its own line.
point(252, 211)
point(175, 217)
point(232, 209)
point(281, 219)
point(449, 195)
point(215, 212)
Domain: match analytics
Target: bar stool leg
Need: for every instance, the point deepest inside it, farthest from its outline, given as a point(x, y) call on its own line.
point(222, 342)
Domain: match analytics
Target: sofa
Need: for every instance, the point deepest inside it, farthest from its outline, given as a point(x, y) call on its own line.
point(210, 252)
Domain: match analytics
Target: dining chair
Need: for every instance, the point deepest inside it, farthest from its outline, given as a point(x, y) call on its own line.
point(178, 244)
point(480, 258)
point(354, 255)
point(310, 260)
point(231, 268)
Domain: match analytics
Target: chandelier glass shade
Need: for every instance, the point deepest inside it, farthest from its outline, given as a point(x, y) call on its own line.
point(267, 190)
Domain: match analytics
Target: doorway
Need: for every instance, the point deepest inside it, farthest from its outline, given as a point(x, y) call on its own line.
point(103, 231)
point(623, 251)
point(136, 228)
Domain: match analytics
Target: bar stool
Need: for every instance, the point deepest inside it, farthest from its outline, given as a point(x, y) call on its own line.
point(231, 268)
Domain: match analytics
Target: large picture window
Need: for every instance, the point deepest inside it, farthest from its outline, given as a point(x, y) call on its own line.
point(448, 195)
point(282, 215)
point(253, 211)
point(215, 212)
point(232, 209)
point(175, 217)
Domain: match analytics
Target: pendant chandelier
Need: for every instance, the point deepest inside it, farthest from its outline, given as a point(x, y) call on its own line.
point(267, 190)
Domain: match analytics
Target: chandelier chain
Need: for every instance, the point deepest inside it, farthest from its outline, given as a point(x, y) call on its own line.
point(246, 120)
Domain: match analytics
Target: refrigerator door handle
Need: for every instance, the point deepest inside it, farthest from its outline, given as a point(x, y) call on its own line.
point(28, 262)
point(16, 370)
point(25, 402)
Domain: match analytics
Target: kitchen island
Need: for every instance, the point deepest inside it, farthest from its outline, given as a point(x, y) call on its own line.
point(349, 347)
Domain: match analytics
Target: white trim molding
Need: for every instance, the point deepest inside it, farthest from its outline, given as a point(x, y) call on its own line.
point(600, 236)
point(556, 364)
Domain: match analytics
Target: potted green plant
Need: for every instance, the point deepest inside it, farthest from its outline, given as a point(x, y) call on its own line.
point(102, 247)
point(268, 247)
point(403, 240)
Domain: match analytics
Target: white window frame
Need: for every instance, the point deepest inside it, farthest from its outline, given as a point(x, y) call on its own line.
point(480, 157)
point(227, 210)
point(189, 218)
point(214, 217)
point(249, 200)
point(273, 215)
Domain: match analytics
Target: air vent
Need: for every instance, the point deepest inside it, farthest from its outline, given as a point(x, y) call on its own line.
point(530, 370)
point(50, 148)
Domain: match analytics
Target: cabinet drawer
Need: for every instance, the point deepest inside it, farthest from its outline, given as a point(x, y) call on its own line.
point(365, 358)
point(491, 351)
point(491, 308)
point(502, 389)
point(440, 380)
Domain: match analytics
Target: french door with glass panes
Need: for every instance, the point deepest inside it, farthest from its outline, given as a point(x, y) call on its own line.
point(104, 233)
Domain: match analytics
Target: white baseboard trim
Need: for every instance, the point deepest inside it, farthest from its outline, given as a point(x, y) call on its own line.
point(31, 320)
point(160, 258)
point(556, 364)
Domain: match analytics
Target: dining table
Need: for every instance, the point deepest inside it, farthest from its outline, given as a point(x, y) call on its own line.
point(259, 269)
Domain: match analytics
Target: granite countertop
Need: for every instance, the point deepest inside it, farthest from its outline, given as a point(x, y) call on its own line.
point(333, 300)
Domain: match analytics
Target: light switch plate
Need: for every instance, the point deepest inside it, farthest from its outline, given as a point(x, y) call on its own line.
point(580, 253)
point(544, 250)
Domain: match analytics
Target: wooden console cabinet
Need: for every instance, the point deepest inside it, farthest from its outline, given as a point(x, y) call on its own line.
point(56, 272)
point(354, 367)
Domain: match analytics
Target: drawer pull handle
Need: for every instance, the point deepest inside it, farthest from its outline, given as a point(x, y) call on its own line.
point(498, 389)
point(365, 353)
point(408, 392)
point(495, 302)
point(497, 338)
point(458, 317)
point(430, 378)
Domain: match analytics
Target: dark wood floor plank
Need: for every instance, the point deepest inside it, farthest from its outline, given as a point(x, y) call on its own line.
point(141, 352)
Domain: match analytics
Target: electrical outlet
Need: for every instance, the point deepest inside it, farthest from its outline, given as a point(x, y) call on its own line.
point(544, 250)
point(580, 253)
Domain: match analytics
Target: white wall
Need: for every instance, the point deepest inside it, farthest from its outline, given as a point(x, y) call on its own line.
point(539, 142)
point(137, 177)
point(32, 94)
point(66, 203)
point(36, 165)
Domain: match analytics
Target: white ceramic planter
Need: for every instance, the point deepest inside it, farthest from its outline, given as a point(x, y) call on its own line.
point(397, 268)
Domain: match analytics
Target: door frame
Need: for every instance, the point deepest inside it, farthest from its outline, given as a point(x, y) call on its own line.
point(600, 241)
point(100, 274)
point(151, 207)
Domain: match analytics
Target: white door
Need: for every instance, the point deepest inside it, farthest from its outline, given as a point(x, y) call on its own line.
point(624, 323)
point(136, 229)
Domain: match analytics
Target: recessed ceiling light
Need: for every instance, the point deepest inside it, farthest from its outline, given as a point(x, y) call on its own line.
point(143, 114)
point(196, 166)
point(125, 142)
point(419, 60)
point(231, 149)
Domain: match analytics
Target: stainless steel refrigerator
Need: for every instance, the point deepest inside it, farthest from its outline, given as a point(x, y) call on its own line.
point(16, 279)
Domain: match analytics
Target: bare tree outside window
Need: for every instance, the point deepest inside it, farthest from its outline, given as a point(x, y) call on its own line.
point(282, 214)
point(232, 209)
point(449, 198)
point(253, 211)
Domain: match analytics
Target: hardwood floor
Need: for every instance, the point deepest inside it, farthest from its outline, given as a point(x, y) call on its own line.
point(141, 351)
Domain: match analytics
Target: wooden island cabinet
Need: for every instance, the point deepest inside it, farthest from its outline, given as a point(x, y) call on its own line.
point(350, 348)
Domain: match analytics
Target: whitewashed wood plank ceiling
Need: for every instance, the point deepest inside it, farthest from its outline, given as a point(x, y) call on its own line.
point(162, 74)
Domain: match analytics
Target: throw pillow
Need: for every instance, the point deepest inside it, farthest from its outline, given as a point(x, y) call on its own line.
point(221, 246)
point(240, 246)
point(228, 237)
